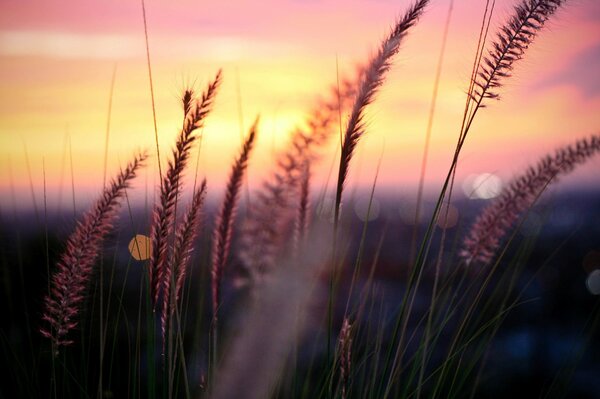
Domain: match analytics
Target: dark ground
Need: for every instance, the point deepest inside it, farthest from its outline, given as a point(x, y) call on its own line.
point(537, 339)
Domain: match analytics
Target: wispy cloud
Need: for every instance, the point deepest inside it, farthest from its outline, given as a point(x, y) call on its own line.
point(69, 45)
point(125, 46)
point(580, 71)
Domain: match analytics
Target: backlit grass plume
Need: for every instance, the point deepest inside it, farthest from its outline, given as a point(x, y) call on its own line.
point(178, 266)
point(185, 236)
point(485, 237)
point(373, 78)
point(303, 212)
point(195, 112)
point(273, 206)
point(345, 356)
point(75, 267)
point(510, 45)
point(224, 226)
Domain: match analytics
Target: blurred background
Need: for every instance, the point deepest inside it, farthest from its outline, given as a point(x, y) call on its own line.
point(58, 58)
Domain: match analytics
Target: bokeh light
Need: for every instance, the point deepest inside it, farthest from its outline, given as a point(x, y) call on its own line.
point(449, 220)
point(593, 282)
point(482, 186)
point(140, 247)
point(361, 208)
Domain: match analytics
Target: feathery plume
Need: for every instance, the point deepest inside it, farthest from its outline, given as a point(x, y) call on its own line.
point(373, 78)
point(512, 41)
point(276, 321)
point(302, 218)
point(272, 210)
point(75, 267)
point(226, 216)
point(185, 236)
point(164, 213)
point(345, 355)
point(510, 45)
point(495, 221)
point(182, 251)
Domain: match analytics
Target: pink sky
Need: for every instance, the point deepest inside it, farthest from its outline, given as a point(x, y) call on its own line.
point(57, 57)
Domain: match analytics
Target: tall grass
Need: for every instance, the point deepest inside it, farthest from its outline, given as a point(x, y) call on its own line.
point(373, 78)
point(224, 227)
point(484, 240)
point(249, 307)
point(74, 270)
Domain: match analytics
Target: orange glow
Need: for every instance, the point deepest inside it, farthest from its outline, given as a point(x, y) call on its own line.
point(140, 247)
point(56, 62)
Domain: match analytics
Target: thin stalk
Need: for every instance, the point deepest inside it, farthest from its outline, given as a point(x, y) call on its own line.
point(72, 178)
point(361, 247)
point(420, 191)
point(102, 335)
point(430, 118)
point(416, 271)
point(31, 189)
point(151, 88)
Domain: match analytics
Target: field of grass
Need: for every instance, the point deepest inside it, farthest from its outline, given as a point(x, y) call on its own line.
point(280, 290)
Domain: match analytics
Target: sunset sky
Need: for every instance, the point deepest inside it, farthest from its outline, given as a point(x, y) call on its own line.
point(57, 59)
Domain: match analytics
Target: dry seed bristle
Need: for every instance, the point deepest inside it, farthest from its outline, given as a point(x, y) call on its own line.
point(74, 269)
point(164, 213)
point(486, 234)
point(224, 226)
